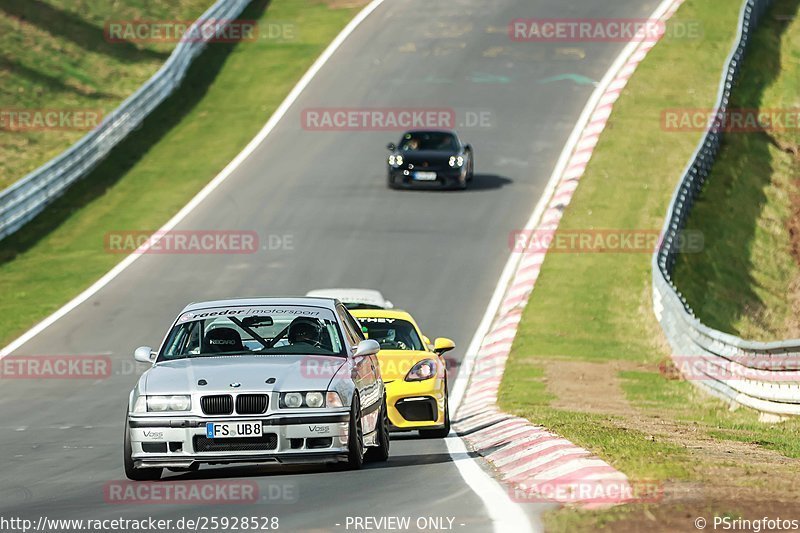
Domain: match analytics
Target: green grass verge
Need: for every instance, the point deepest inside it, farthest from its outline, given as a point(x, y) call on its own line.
point(740, 282)
point(54, 55)
point(596, 308)
point(227, 97)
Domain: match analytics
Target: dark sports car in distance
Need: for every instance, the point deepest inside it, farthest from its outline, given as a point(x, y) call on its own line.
point(430, 159)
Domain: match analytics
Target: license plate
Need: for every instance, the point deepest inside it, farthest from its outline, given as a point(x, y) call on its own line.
point(425, 176)
point(229, 430)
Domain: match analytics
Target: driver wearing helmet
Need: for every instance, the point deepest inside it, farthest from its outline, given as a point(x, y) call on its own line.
point(387, 338)
point(305, 330)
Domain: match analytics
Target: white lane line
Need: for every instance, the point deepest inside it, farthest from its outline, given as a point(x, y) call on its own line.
point(503, 512)
point(473, 473)
point(207, 190)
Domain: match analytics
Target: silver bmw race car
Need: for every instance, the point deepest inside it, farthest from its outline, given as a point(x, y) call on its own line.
point(267, 380)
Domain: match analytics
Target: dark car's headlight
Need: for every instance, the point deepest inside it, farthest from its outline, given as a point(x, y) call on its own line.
point(396, 160)
point(312, 399)
point(425, 369)
point(163, 404)
point(456, 161)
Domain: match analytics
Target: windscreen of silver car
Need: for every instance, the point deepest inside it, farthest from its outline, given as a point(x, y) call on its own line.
point(260, 336)
point(223, 340)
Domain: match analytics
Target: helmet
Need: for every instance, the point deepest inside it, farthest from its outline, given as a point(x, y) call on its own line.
point(304, 329)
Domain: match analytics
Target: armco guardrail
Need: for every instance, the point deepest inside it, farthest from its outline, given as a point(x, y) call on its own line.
point(30, 195)
point(760, 375)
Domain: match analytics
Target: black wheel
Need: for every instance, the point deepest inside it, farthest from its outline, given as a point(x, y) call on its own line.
point(390, 183)
point(355, 438)
point(442, 432)
point(470, 169)
point(381, 452)
point(136, 474)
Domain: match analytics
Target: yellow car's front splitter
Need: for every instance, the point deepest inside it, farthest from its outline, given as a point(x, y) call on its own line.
point(416, 404)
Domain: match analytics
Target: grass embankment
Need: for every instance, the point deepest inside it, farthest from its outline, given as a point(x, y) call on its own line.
point(750, 207)
point(54, 55)
point(589, 358)
point(228, 95)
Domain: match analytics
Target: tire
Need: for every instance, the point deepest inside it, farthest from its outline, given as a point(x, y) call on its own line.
point(136, 474)
point(471, 169)
point(442, 432)
point(355, 437)
point(381, 452)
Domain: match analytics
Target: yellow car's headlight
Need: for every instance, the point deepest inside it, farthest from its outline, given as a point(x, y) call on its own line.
point(425, 369)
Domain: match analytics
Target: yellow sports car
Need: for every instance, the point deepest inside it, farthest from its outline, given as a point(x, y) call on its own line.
point(415, 375)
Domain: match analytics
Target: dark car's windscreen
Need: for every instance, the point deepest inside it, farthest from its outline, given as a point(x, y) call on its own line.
point(247, 331)
point(392, 333)
point(437, 141)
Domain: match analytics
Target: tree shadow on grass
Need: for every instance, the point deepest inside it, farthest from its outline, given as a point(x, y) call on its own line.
point(124, 156)
point(70, 27)
point(52, 83)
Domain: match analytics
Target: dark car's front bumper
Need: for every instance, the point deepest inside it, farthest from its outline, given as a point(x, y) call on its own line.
point(445, 179)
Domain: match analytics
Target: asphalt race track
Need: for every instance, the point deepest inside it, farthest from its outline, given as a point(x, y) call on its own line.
point(325, 218)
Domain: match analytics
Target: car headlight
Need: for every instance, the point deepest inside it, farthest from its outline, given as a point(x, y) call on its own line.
point(425, 369)
point(162, 404)
point(312, 399)
point(396, 160)
point(315, 399)
point(292, 400)
point(456, 161)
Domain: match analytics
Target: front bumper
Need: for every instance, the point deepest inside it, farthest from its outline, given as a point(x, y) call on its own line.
point(181, 442)
point(416, 404)
point(448, 178)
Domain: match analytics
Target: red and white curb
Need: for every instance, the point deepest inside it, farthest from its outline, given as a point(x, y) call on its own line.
point(540, 466)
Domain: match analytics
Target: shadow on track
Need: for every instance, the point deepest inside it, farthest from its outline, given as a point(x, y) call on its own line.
point(485, 182)
point(260, 471)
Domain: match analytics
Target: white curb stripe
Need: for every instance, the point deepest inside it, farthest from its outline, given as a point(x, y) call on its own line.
point(493, 344)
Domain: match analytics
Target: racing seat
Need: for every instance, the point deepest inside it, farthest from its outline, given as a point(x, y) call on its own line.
point(222, 340)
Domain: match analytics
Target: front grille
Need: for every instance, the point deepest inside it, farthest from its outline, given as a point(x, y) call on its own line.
point(268, 441)
point(217, 405)
point(251, 404)
point(418, 410)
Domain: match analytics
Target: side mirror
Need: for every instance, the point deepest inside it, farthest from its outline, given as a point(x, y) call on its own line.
point(442, 345)
point(367, 347)
point(468, 147)
point(143, 354)
point(391, 147)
